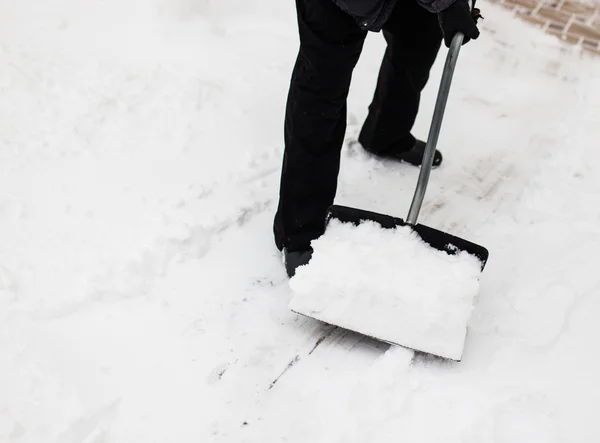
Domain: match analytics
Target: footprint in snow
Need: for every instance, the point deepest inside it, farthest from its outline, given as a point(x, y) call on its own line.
point(543, 315)
point(526, 418)
point(8, 285)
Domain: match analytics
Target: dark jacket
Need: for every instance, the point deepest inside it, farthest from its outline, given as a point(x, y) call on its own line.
point(372, 14)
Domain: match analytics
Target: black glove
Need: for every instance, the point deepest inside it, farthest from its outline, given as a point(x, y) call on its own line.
point(459, 18)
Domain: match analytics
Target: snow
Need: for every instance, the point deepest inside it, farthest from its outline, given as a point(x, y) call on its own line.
point(389, 284)
point(141, 295)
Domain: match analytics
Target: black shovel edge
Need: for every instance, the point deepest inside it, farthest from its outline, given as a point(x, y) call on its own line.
point(436, 239)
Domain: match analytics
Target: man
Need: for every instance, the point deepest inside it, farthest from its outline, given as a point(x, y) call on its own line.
point(332, 33)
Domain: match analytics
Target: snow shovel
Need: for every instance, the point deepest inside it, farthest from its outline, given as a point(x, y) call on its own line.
point(438, 240)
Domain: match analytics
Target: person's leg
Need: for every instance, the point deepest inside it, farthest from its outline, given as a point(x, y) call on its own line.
point(315, 121)
point(413, 38)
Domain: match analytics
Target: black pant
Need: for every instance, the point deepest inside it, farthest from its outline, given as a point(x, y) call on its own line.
point(315, 120)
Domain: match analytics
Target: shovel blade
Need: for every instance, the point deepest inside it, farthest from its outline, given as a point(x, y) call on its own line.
point(371, 314)
point(436, 239)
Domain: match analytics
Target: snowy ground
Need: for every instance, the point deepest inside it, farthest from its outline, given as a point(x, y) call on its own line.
point(142, 298)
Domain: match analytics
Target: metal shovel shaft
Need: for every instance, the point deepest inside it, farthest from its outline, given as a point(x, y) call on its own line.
point(434, 131)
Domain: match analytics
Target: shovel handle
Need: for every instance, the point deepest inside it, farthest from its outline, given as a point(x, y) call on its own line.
point(434, 130)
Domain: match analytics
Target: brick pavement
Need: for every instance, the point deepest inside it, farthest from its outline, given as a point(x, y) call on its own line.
point(574, 22)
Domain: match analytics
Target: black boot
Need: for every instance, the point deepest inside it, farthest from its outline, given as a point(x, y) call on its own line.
point(294, 259)
point(413, 156)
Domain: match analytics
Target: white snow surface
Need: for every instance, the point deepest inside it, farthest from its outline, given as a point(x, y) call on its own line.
point(142, 298)
point(389, 284)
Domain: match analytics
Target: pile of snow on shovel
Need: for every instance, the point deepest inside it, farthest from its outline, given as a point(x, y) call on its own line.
point(389, 284)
